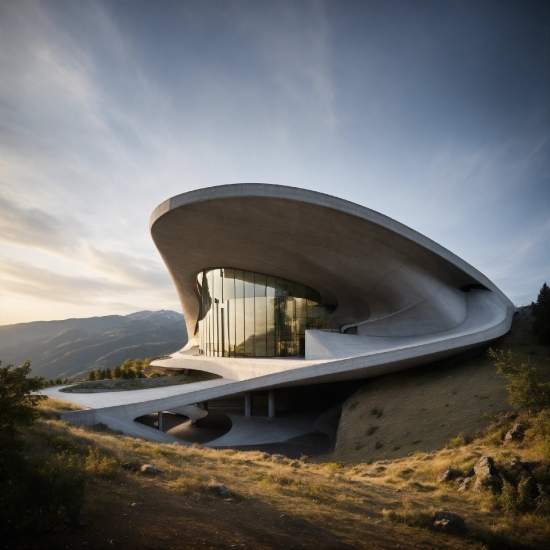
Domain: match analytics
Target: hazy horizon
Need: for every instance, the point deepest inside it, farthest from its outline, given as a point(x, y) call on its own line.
point(433, 113)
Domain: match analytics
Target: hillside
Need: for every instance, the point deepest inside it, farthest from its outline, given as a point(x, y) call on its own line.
point(421, 409)
point(72, 347)
point(357, 497)
point(224, 499)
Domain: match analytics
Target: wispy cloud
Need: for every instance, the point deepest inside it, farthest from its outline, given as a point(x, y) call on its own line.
point(107, 109)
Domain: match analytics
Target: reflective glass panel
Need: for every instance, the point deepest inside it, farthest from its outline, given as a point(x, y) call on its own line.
point(246, 314)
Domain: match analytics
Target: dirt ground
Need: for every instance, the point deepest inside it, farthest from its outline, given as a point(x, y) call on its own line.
point(134, 514)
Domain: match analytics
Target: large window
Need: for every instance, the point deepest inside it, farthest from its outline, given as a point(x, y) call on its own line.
point(246, 314)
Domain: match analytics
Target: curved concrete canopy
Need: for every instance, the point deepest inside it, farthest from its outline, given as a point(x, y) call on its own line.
point(385, 278)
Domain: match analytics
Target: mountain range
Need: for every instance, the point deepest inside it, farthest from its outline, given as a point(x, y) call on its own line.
point(72, 347)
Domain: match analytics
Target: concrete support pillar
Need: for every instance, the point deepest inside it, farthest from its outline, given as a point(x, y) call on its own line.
point(248, 403)
point(203, 405)
point(271, 403)
point(160, 421)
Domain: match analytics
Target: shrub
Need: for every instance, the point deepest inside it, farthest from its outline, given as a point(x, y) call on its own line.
point(41, 494)
point(378, 445)
point(525, 388)
point(371, 430)
point(101, 465)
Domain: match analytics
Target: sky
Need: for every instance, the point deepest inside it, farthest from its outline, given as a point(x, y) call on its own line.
point(433, 112)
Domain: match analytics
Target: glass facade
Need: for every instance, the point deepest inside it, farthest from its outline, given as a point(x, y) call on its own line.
point(246, 314)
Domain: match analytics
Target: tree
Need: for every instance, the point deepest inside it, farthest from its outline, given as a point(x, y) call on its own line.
point(36, 492)
point(17, 404)
point(117, 372)
point(541, 314)
point(525, 389)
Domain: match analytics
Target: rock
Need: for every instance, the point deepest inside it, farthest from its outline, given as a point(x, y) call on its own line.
point(137, 505)
point(150, 469)
point(82, 519)
point(131, 466)
point(485, 466)
point(516, 433)
point(448, 475)
point(464, 482)
point(427, 457)
point(220, 490)
point(488, 482)
point(277, 458)
point(486, 475)
point(449, 522)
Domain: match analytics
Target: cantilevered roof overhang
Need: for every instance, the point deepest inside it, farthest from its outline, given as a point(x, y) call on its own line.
point(383, 276)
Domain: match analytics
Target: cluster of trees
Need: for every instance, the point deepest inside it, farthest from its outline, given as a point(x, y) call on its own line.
point(541, 313)
point(57, 382)
point(130, 369)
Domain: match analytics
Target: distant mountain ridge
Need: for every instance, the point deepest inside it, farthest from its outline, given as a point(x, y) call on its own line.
point(72, 347)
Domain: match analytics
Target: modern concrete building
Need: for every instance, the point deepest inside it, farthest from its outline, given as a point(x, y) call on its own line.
point(281, 286)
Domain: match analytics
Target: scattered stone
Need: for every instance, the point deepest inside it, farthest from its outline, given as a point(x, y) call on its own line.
point(137, 505)
point(464, 482)
point(448, 475)
point(277, 458)
point(131, 466)
point(82, 519)
point(485, 466)
point(150, 469)
point(429, 456)
point(449, 522)
point(486, 475)
point(264, 456)
point(516, 433)
point(221, 490)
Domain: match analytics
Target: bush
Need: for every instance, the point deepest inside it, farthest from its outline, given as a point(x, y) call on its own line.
point(41, 494)
point(101, 465)
point(525, 388)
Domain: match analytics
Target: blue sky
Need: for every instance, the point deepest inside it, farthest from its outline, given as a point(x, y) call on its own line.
point(435, 113)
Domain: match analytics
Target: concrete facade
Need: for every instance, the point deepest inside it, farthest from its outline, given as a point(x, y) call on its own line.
point(401, 299)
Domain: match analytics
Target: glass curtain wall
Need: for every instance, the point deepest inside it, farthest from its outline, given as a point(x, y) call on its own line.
point(246, 314)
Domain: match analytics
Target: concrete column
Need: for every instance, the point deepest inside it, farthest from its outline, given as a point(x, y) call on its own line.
point(160, 421)
point(271, 403)
point(248, 403)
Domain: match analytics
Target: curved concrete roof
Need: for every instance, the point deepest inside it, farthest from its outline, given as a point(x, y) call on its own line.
point(386, 278)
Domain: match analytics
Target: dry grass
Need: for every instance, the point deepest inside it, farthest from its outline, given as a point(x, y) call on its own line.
point(359, 497)
point(422, 409)
point(290, 503)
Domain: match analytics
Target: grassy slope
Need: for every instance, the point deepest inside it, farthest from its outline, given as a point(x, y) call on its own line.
point(423, 408)
point(302, 504)
point(287, 504)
